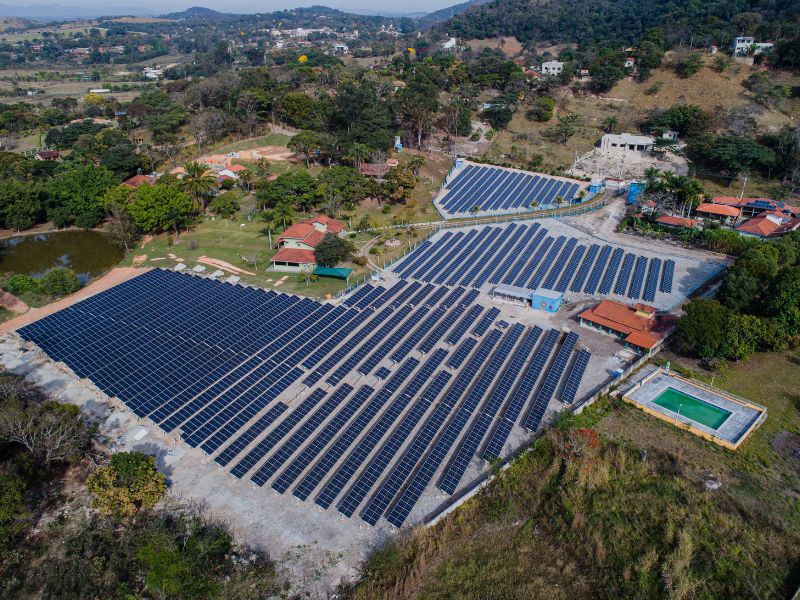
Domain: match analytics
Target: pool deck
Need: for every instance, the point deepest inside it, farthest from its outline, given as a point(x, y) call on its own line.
point(653, 381)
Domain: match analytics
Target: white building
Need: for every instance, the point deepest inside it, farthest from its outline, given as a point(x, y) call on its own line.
point(552, 67)
point(339, 48)
point(742, 44)
point(630, 62)
point(451, 45)
point(625, 142)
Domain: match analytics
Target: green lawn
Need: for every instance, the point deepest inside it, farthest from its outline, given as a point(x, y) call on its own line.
point(231, 240)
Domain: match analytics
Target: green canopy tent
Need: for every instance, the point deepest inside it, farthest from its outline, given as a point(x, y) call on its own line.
point(333, 272)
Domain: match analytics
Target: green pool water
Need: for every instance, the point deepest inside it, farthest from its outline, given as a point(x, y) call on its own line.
point(692, 408)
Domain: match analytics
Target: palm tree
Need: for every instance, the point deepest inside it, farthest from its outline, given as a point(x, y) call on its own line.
point(416, 163)
point(268, 217)
point(247, 178)
point(198, 183)
point(610, 123)
point(284, 213)
point(356, 154)
point(475, 209)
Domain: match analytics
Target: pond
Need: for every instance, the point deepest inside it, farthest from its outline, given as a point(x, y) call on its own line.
point(88, 253)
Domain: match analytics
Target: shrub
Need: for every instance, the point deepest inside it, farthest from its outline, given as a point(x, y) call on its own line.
point(541, 110)
point(59, 282)
point(361, 261)
point(193, 245)
point(127, 485)
point(19, 284)
point(59, 216)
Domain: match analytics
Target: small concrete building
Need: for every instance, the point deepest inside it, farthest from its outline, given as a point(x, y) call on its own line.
point(626, 142)
point(552, 67)
point(539, 299)
point(742, 45)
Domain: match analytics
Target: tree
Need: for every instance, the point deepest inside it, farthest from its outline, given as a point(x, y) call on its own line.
point(128, 484)
point(498, 116)
point(306, 143)
point(782, 302)
point(261, 167)
point(356, 154)
point(51, 432)
point(738, 290)
point(701, 330)
point(284, 213)
point(332, 250)
point(120, 226)
point(399, 184)
point(610, 123)
point(417, 104)
point(297, 188)
point(80, 187)
point(198, 183)
point(161, 207)
point(416, 163)
point(605, 77)
point(742, 337)
point(20, 203)
point(206, 126)
point(225, 205)
point(565, 128)
point(686, 119)
point(541, 110)
point(730, 154)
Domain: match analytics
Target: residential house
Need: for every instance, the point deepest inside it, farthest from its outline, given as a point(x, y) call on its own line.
point(140, 180)
point(48, 155)
point(718, 212)
point(630, 62)
point(673, 222)
point(450, 45)
point(637, 326)
point(552, 67)
point(296, 245)
point(769, 225)
point(742, 46)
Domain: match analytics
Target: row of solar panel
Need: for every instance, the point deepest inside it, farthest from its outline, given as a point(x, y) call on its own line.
point(410, 475)
point(526, 256)
point(112, 338)
point(494, 190)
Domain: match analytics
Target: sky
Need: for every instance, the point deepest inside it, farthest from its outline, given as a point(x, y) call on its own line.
point(250, 6)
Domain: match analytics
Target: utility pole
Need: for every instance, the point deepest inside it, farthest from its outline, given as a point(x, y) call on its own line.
point(744, 185)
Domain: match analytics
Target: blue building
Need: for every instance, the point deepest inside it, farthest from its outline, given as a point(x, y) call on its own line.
point(539, 299)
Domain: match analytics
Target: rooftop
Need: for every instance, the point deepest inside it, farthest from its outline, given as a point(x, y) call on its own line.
point(722, 210)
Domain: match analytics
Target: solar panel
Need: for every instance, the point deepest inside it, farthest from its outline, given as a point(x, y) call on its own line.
point(461, 354)
point(548, 389)
point(290, 446)
point(611, 273)
point(382, 373)
point(625, 275)
point(638, 277)
point(569, 272)
point(465, 323)
point(597, 272)
point(365, 446)
point(458, 465)
point(331, 456)
point(583, 270)
point(666, 278)
point(575, 376)
point(486, 321)
point(652, 280)
point(358, 491)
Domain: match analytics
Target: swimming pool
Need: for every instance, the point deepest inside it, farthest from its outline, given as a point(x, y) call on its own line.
point(692, 408)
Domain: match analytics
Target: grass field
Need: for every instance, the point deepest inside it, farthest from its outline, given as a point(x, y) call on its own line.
point(623, 514)
point(271, 139)
point(230, 240)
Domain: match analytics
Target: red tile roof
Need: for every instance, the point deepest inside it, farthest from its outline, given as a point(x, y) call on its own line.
point(237, 168)
point(298, 231)
point(722, 210)
point(373, 170)
point(671, 221)
point(764, 225)
point(331, 224)
point(294, 255)
point(624, 320)
point(138, 180)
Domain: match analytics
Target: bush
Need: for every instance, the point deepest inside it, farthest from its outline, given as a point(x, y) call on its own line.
point(20, 284)
point(541, 110)
point(59, 216)
point(361, 261)
point(127, 485)
point(59, 282)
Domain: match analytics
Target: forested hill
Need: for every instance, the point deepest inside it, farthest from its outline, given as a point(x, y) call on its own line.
point(451, 11)
point(617, 22)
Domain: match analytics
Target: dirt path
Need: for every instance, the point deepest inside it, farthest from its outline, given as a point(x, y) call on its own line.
point(365, 253)
point(109, 280)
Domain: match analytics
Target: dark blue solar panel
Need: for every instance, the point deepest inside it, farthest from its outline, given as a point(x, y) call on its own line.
point(652, 280)
point(550, 384)
point(575, 376)
point(569, 271)
point(638, 277)
point(625, 275)
point(611, 273)
point(583, 270)
point(486, 321)
point(597, 272)
point(244, 440)
point(382, 373)
point(666, 278)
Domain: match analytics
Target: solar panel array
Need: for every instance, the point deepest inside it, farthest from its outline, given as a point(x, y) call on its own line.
point(495, 190)
point(271, 389)
point(529, 256)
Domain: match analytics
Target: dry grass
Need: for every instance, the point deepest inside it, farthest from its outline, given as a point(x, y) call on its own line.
point(509, 45)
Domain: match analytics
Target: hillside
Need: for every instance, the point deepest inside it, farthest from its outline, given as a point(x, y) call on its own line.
point(451, 11)
point(613, 22)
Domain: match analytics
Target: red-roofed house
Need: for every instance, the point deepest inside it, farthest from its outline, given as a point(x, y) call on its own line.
point(138, 180)
point(723, 212)
point(376, 170)
point(637, 325)
point(296, 244)
point(48, 155)
point(768, 225)
point(750, 207)
point(670, 221)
